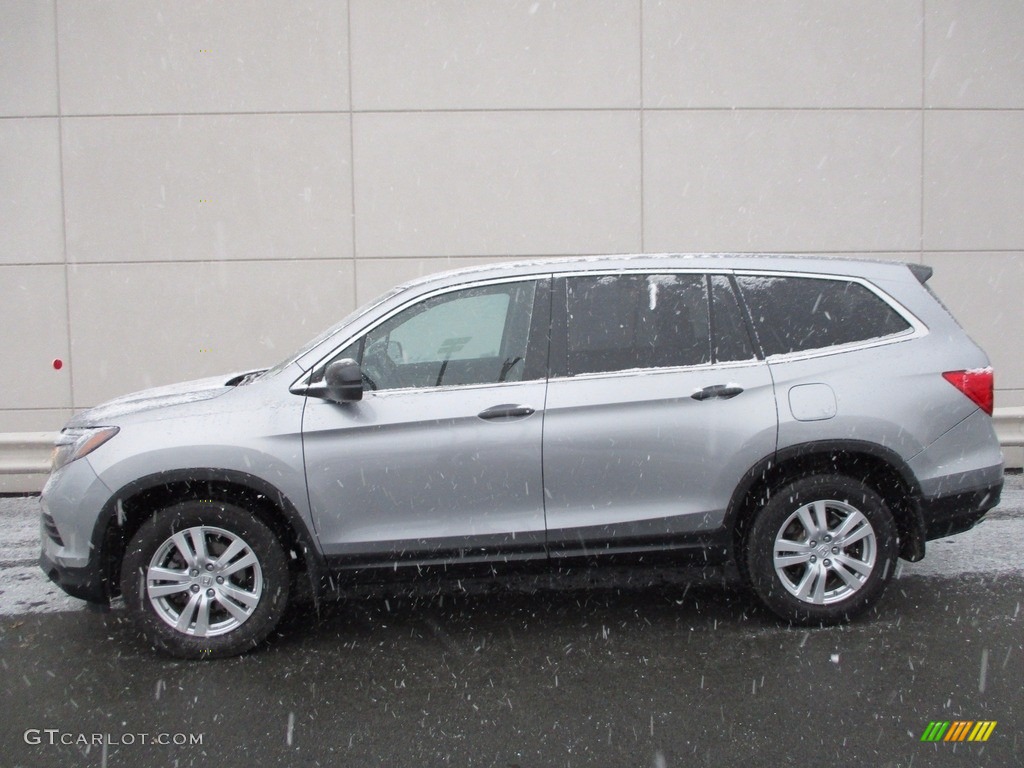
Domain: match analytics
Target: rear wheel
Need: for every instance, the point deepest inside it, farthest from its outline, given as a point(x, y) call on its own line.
point(822, 550)
point(204, 579)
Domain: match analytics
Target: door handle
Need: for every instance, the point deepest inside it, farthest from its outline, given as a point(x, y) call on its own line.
point(717, 391)
point(506, 412)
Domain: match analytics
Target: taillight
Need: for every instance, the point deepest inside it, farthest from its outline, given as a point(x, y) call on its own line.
point(977, 384)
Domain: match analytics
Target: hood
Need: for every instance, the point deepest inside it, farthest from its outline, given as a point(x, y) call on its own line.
point(158, 397)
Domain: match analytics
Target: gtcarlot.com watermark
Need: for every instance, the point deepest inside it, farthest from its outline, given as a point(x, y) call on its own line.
point(55, 736)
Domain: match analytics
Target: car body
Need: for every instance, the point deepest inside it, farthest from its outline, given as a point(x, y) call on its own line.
point(808, 419)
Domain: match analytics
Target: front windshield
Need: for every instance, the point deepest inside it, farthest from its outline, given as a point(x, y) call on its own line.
point(351, 317)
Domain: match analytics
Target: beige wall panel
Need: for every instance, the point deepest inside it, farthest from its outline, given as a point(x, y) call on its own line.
point(1009, 398)
point(799, 53)
point(983, 292)
point(34, 333)
point(974, 180)
point(511, 183)
point(974, 54)
point(789, 181)
point(181, 321)
point(34, 420)
point(28, 58)
point(151, 56)
point(207, 187)
point(374, 276)
point(30, 206)
point(1012, 457)
point(513, 54)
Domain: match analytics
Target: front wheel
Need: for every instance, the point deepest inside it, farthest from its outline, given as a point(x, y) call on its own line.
point(204, 579)
point(822, 550)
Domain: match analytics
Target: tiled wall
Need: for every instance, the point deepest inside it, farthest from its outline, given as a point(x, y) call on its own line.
point(189, 187)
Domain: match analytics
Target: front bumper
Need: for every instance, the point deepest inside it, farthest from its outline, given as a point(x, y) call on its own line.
point(72, 504)
point(87, 583)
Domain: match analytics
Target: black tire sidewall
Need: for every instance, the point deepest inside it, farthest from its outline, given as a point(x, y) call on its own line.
point(152, 535)
point(761, 542)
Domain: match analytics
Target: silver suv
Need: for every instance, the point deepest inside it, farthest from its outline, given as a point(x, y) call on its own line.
point(809, 420)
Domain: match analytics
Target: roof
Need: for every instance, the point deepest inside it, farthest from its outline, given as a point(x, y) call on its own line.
point(832, 265)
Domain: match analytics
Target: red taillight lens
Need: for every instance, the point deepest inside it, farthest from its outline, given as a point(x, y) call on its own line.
point(977, 384)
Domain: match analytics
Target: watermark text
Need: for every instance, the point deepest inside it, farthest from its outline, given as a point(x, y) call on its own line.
point(55, 736)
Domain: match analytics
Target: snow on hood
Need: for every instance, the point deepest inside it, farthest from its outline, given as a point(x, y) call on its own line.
point(157, 397)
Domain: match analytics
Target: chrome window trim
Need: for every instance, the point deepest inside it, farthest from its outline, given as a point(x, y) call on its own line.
point(445, 388)
point(842, 348)
point(752, 362)
point(643, 271)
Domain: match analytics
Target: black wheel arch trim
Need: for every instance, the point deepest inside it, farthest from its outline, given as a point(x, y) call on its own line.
point(910, 519)
point(304, 537)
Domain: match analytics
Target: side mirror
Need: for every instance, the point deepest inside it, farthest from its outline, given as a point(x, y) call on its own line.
point(344, 381)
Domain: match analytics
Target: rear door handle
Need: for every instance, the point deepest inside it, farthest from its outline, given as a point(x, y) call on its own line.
point(506, 412)
point(717, 391)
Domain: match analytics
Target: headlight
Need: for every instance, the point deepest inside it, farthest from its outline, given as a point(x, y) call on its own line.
point(75, 443)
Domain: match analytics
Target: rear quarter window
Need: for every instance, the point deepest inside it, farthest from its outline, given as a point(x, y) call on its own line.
point(799, 314)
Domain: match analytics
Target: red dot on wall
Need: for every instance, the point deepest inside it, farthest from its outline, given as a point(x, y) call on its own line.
point(58, 364)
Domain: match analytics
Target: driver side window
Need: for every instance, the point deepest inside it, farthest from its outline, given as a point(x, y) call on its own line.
point(472, 336)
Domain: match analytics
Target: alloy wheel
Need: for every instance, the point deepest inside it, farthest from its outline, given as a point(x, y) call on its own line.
point(204, 581)
point(825, 552)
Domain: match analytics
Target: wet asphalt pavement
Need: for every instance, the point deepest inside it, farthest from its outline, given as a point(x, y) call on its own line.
point(616, 676)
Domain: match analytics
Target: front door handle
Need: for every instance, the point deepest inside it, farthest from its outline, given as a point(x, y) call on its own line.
point(506, 412)
point(717, 391)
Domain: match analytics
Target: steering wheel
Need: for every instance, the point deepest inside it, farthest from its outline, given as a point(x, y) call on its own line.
point(378, 369)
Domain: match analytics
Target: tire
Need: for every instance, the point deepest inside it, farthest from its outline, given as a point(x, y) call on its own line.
point(822, 550)
point(186, 598)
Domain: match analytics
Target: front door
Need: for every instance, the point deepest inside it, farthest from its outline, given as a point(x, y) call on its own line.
point(440, 461)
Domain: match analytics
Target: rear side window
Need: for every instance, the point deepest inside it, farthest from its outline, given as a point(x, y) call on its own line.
point(797, 314)
point(621, 322)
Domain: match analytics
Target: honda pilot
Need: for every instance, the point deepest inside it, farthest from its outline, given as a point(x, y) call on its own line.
point(806, 420)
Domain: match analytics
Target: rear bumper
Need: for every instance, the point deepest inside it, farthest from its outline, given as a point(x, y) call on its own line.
point(958, 512)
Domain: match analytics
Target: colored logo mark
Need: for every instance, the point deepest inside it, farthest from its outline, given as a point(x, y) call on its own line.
point(958, 730)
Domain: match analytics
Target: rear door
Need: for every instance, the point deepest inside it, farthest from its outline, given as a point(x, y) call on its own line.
point(656, 408)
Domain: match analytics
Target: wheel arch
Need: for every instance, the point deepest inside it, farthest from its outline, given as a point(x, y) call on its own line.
point(136, 502)
point(880, 467)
